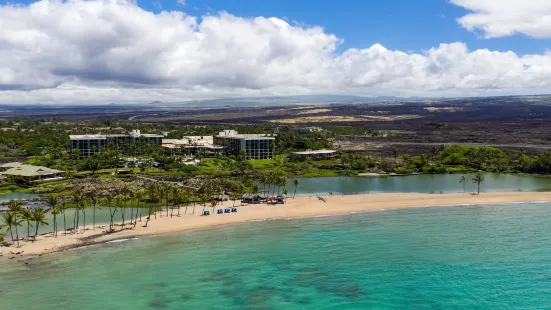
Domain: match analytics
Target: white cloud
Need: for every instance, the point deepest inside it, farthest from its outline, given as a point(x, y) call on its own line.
point(113, 51)
point(181, 2)
point(500, 18)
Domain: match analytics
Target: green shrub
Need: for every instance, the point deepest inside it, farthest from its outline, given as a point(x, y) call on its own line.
point(402, 170)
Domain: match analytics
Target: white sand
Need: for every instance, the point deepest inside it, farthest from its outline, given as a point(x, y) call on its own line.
point(299, 207)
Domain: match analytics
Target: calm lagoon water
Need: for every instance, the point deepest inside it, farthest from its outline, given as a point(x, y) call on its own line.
point(16, 196)
point(469, 257)
point(446, 183)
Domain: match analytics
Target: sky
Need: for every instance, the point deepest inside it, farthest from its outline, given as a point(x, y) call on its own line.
point(135, 51)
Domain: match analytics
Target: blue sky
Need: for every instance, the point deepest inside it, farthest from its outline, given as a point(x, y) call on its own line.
point(407, 25)
point(414, 25)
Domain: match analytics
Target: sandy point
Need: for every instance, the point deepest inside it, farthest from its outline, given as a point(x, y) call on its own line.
point(300, 207)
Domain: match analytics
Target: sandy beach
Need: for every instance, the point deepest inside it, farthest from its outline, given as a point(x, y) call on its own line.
point(294, 208)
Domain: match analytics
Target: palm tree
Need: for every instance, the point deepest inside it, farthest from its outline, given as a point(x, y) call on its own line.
point(213, 204)
point(109, 202)
point(83, 206)
point(10, 220)
point(94, 199)
point(55, 212)
point(53, 202)
point(63, 209)
point(15, 206)
point(39, 217)
point(185, 196)
point(296, 183)
point(77, 198)
point(478, 178)
point(463, 180)
point(27, 215)
point(285, 192)
point(140, 194)
point(119, 203)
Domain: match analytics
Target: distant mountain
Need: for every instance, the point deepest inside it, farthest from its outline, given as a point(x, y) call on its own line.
point(156, 102)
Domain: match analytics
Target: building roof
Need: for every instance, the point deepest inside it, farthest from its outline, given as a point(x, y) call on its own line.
point(102, 137)
point(315, 152)
point(30, 171)
point(87, 137)
point(11, 165)
point(232, 134)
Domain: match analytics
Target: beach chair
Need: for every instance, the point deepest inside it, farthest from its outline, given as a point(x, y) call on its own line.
point(233, 209)
point(227, 210)
point(219, 211)
point(206, 212)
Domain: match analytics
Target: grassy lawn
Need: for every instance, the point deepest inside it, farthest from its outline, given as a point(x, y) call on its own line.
point(261, 163)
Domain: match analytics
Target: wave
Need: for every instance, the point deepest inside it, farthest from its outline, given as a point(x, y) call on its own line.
point(121, 240)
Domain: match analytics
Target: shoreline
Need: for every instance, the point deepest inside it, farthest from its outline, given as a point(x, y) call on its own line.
point(300, 207)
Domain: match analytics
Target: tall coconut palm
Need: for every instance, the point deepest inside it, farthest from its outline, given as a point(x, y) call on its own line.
point(39, 217)
point(83, 206)
point(176, 199)
point(463, 180)
point(16, 207)
point(27, 216)
point(296, 183)
point(55, 212)
point(478, 178)
point(166, 189)
point(94, 200)
point(119, 204)
point(140, 194)
point(53, 203)
point(153, 199)
point(109, 202)
point(10, 220)
point(63, 209)
point(185, 196)
point(77, 199)
point(152, 193)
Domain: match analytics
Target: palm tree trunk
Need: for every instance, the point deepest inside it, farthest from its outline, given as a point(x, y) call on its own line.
point(55, 225)
point(75, 221)
point(35, 232)
point(122, 215)
point(16, 231)
point(295, 192)
point(149, 216)
point(94, 218)
point(11, 233)
point(64, 224)
point(84, 213)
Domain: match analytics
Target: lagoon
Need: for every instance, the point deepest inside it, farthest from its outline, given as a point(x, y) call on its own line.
point(425, 183)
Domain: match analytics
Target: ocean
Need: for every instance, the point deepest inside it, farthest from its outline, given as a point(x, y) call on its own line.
point(464, 257)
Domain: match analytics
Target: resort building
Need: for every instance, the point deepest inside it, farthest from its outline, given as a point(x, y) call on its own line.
point(30, 174)
point(257, 146)
point(89, 145)
point(317, 154)
point(191, 145)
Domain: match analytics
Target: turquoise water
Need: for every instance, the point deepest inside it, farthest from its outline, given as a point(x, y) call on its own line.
point(446, 183)
point(469, 257)
point(16, 196)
